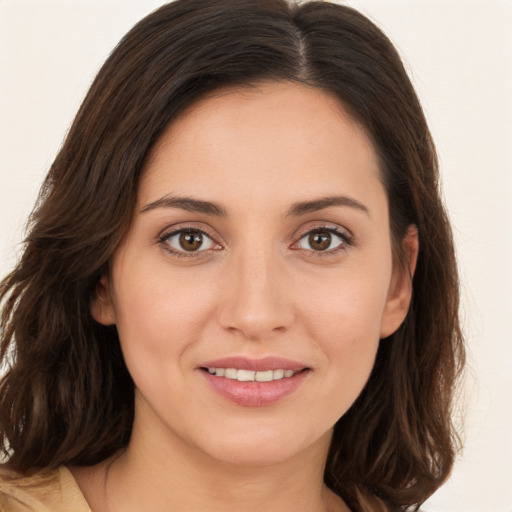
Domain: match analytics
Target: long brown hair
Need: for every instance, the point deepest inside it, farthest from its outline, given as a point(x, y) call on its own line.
point(67, 397)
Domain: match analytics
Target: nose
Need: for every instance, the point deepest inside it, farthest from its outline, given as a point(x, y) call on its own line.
point(256, 303)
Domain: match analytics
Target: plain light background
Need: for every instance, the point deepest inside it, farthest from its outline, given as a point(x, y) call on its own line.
point(459, 56)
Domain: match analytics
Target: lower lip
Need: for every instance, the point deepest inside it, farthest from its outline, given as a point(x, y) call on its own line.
point(255, 394)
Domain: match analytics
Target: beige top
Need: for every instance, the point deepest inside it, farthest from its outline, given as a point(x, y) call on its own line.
point(46, 491)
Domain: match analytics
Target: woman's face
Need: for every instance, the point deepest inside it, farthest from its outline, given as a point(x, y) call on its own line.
point(256, 281)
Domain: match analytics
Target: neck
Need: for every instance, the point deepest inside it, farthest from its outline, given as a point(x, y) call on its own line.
point(161, 473)
point(215, 488)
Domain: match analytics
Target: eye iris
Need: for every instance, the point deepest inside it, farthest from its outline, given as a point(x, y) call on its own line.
point(320, 241)
point(191, 240)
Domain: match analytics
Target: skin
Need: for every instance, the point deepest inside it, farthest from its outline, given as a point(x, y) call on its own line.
point(256, 287)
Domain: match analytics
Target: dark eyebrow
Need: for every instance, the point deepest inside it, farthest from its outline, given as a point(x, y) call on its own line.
point(188, 204)
point(209, 208)
point(325, 202)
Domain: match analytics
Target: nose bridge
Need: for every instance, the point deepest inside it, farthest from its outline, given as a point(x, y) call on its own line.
point(256, 304)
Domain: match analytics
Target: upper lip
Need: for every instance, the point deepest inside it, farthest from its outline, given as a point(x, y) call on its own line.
point(258, 365)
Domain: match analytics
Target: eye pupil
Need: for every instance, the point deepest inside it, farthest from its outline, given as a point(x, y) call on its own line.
point(191, 240)
point(320, 241)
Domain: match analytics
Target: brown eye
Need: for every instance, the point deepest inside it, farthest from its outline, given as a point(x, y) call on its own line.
point(188, 241)
point(320, 241)
point(191, 240)
point(324, 240)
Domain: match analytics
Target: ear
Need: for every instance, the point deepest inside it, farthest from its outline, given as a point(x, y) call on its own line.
point(400, 290)
point(102, 308)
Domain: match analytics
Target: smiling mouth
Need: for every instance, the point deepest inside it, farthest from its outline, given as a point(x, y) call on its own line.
point(243, 375)
point(256, 383)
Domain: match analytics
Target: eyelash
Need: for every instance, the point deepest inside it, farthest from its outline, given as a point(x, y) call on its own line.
point(163, 240)
point(346, 240)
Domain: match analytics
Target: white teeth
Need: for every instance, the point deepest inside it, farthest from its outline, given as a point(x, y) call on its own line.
point(251, 375)
point(245, 375)
point(231, 373)
point(278, 374)
point(264, 376)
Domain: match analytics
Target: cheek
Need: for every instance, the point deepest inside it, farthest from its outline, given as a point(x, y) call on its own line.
point(159, 312)
point(350, 349)
point(349, 305)
point(343, 316)
point(347, 330)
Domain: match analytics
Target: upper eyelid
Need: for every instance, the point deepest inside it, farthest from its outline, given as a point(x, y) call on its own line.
point(179, 228)
point(332, 227)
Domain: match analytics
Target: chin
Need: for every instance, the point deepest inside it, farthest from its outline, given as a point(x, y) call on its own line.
point(255, 456)
point(265, 446)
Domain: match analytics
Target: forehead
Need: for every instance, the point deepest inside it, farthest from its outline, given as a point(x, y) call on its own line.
point(269, 140)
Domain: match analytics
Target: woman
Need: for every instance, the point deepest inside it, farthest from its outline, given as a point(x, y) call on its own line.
point(239, 287)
